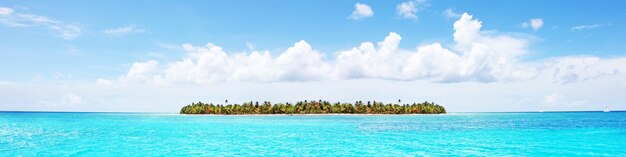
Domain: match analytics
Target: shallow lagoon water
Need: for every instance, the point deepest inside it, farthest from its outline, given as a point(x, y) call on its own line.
point(470, 134)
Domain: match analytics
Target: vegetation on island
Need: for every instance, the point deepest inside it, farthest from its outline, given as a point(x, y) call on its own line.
point(313, 107)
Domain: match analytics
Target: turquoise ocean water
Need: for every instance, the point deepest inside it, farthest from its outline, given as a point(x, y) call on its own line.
point(470, 134)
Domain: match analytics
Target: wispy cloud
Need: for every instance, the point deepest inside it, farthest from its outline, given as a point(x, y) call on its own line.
point(250, 46)
point(123, 30)
point(168, 46)
point(6, 11)
point(361, 11)
point(449, 13)
point(585, 27)
point(535, 24)
point(10, 18)
point(72, 50)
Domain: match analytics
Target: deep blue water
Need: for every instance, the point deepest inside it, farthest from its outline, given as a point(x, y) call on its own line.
point(471, 134)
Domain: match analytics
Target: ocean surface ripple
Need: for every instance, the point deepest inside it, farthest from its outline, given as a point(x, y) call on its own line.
point(473, 134)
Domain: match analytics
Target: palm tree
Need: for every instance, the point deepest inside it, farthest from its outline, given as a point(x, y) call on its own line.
point(313, 107)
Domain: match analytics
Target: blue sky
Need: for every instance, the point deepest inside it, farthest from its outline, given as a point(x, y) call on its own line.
point(72, 45)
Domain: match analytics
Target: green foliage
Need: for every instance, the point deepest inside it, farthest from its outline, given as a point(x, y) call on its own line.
point(314, 107)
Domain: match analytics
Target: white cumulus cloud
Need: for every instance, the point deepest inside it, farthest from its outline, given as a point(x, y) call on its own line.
point(475, 57)
point(140, 70)
point(210, 63)
point(361, 11)
point(409, 9)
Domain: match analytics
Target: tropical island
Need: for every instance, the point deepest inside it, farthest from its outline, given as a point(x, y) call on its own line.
point(313, 107)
